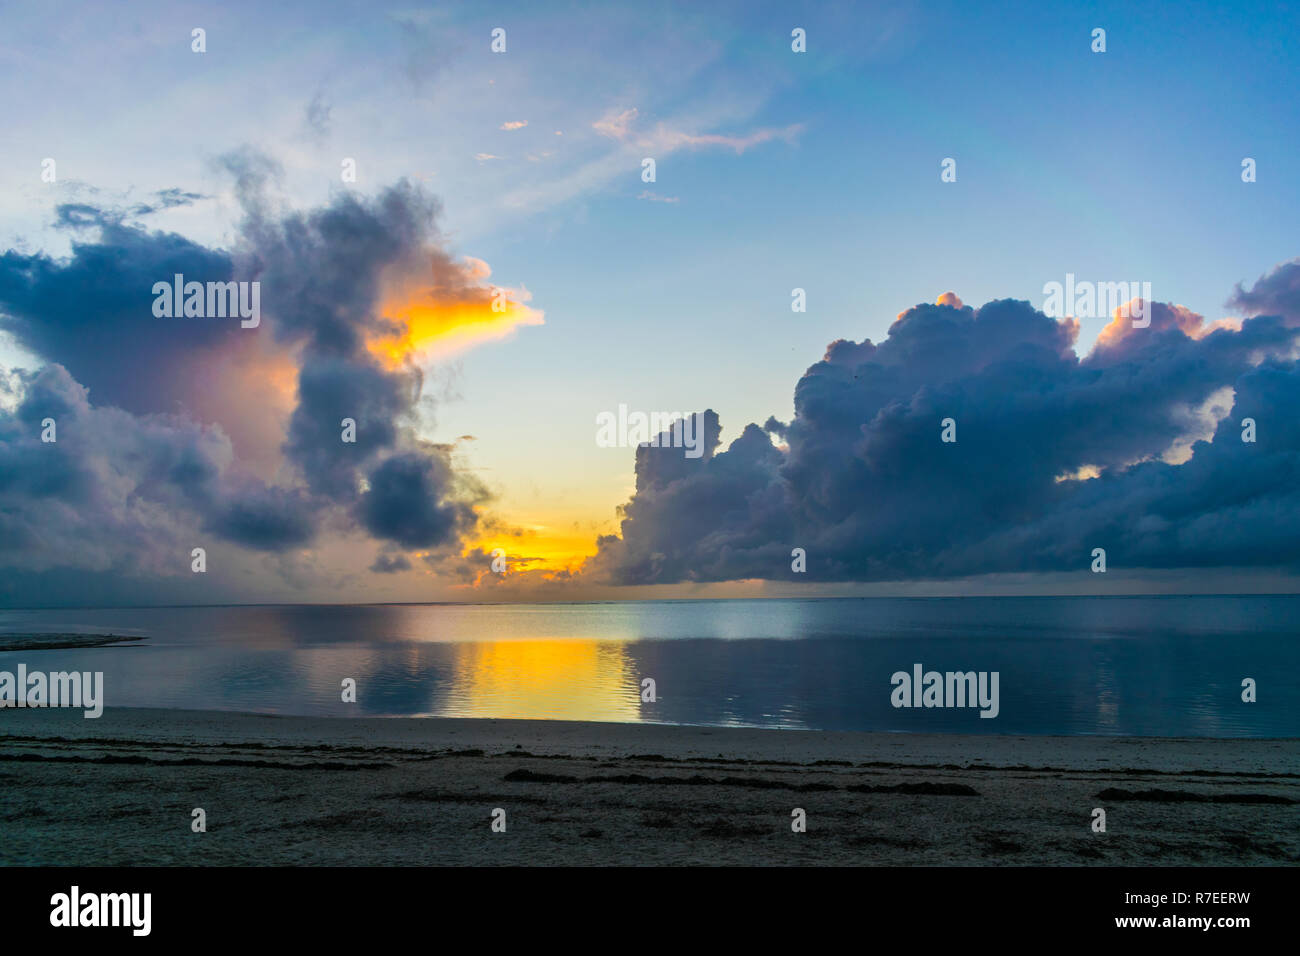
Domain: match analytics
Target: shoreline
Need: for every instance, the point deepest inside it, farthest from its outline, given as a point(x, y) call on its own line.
point(120, 790)
point(315, 724)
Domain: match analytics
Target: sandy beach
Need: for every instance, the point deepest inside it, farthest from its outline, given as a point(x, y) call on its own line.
point(120, 790)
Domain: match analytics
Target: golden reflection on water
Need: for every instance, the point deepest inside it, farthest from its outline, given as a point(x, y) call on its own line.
point(542, 680)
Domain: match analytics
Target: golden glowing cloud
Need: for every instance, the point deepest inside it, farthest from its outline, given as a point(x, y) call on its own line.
point(1083, 473)
point(1159, 317)
point(454, 311)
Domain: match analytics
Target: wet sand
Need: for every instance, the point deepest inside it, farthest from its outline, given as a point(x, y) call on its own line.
point(119, 790)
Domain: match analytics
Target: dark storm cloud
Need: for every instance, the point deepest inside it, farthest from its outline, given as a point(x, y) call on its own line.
point(114, 491)
point(390, 563)
point(870, 491)
point(727, 509)
point(331, 389)
point(267, 519)
point(408, 500)
point(321, 270)
point(137, 476)
point(122, 491)
point(1277, 293)
point(322, 274)
point(93, 312)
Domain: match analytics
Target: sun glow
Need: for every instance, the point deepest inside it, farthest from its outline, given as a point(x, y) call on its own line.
point(539, 549)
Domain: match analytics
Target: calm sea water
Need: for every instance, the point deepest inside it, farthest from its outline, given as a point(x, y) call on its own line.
point(1167, 666)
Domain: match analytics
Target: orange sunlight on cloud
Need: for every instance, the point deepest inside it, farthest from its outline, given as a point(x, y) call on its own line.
point(445, 317)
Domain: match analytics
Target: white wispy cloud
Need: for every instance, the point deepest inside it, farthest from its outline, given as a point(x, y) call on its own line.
point(666, 138)
point(616, 124)
point(629, 146)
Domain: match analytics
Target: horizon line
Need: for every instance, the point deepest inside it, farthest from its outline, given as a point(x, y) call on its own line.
point(714, 600)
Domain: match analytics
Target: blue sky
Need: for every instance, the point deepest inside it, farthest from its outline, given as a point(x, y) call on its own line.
point(775, 170)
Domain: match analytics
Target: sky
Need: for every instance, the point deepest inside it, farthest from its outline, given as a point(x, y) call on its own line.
point(516, 176)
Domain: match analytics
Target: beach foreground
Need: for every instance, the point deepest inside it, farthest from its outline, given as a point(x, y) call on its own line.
point(120, 790)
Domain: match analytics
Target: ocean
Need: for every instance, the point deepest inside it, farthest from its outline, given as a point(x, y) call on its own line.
point(1132, 666)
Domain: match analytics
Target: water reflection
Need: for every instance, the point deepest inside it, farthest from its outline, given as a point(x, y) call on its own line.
point(542, 679)
point(1147, 666)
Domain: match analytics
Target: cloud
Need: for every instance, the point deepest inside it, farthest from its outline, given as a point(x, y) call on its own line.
point(87, 215)
point(626, 151)
point(1277, 293)
point(316, 118)
point(112, 491)
point(156, 417)
point(1055, 455)
point(332, 388)
point(271, 519)
point(409, 500)
point(514, 124)
point(665, 139)
point(617, 124)
point(92, 312)
point(448, 310)
point(116, 491)
point(390, 564)
point(170, 199)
